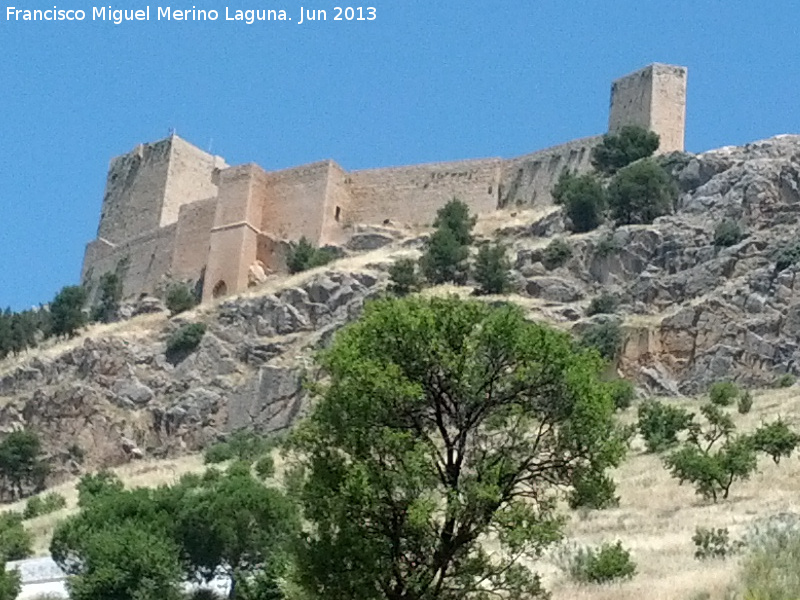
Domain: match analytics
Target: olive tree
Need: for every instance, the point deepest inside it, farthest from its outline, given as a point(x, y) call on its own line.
point(443, 422)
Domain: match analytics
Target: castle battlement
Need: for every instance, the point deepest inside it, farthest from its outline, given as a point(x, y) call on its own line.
point(171, 210)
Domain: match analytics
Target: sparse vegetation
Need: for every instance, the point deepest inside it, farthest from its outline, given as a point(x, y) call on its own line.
point(727, 233)
point(714, 543)
point(603, 304)
point(492, 270)
point(786, 380)
point(556, 254)
point(403, 277)
point(786, 257)
point(184, 340)
point(724, 393)
point(106, 310)
point(445, 259)
point(607, 246)
point(617, 150)
point(180, 298)
point(302, 255)
point(770, 568)
point(66, 311)
point(640, 193)
point(745, 403)
point(43, 505)
point(583, 198)
point(660, 423)
point(603, 564)
point(242, 445)
point(605, 337)
point(622, 392)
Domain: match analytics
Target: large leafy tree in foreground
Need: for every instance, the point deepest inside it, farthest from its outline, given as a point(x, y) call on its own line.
point(446, 431)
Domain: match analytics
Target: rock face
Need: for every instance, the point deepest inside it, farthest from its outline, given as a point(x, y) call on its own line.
point(691, 313)
point(117, 398)
point(697, 312)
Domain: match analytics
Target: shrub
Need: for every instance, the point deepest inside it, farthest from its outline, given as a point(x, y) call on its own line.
point(265, 466)
point(786, 380)
point(727, 233)
point(204, 594)
point(775, 440)
point(107, 308)
point(603, 304)
point(242, 445)
point(96, 485)
point(455, 216)
point(403, 277)
point(492, 270)
point(745, 403)
point(583, 198)
point(608, 562)
point(622, 392)
point(302, 255)
point(620, 149)
point(661, 423)
point(180, 298)
point(445, 259)
point(607, 246)
point(185, 339)
point(66, 311)
point(11, 584)
point(713, 473)
point(43, 505)
point(787, 257)
point(641, 192)
point(605, 337)
point(723, 393)
point(595, 491)
point(770, 568)
point(557, 253)
point(16, 542)
point(714, 543)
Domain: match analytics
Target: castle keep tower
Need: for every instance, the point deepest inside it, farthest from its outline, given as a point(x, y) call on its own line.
point(653, 98)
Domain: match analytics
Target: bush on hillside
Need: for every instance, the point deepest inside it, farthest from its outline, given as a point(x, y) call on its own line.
point(445, 259)
point(714, 543)
point(727, 233)
point(43, 505)
point(601, 564)
point(403, 277)
point(661, 423)
point(770, 568)
point(180, 298)
point(302, 255)
point(16, 542)
point(618, 150)
point(593, 490)
point(455, 216)
point(776, 440)
point(603, 304)
point(622, 392)
point(556, 254)
point(786, 380)
point(184, 340)
point(492, 270)
point(110, 293)
point(605, 337)
point(745, 403)
point(583, 198)
point(724, 393)
point(641, 192)
point(66, 311)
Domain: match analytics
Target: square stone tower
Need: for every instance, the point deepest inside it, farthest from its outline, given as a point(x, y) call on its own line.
point(654, 98)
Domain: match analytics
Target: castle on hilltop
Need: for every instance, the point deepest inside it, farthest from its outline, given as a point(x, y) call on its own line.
point(172, 211)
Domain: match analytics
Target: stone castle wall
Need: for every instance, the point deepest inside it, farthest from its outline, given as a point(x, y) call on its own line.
point(171, 210)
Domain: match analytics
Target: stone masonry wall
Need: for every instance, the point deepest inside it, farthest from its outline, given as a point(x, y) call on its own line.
point(414, 194)
point(669, 106)
point(191, 177)
point(529, 180)
point(134, 191)
point(193, 239)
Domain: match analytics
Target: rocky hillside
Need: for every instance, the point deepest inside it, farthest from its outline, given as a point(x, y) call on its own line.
point(692, 313)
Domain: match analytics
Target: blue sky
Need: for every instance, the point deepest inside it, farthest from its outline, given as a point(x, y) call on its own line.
point(429, 80)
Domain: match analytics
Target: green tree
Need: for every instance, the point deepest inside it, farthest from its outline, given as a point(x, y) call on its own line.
point(16, 542)
point(444, 421)
point(492, 270)
point(776, 440)
point(127, 562)
point(66, 311)
point(22, 468)
point(661, 423)
point(641, 192)
point(238, 526)
point(445, 258)
point(107, 308)
point(618, 150)
point(10, 582)
point(455, 216)
point(403, 277)
point(583, 198)
point(303, 255)
point(180, 298)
